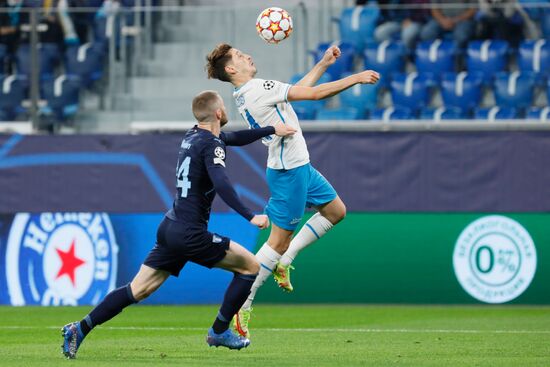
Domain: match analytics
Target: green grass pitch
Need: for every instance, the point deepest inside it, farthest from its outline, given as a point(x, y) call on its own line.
point(288, 335)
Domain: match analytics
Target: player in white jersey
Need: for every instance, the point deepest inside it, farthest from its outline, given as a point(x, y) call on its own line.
point(293, 182)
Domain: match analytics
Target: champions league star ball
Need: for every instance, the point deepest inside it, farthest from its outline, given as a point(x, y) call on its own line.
point(274, 25)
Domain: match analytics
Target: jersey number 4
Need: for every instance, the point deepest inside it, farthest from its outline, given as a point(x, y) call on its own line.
point(183, 182)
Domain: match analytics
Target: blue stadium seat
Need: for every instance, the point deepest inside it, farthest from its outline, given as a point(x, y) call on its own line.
point(545, 24)
point(496, 113)
point(488, 57)
point(461, 90)
point(534, 56)
point(49, 57)
point(436, 56)
point(410, 90)
point(62, 95)
point(514, 89)
point(306, 110)
point(12, 93)
point(392, 113)
point(86, 61)
point(3, 55)
point(442, 113)
point(386, 58)
point(344, 64)
point(342, 113)
point(361, 96)
point(357, 25)
point(537, 113)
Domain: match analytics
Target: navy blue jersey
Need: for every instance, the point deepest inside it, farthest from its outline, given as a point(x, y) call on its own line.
point(200, 173)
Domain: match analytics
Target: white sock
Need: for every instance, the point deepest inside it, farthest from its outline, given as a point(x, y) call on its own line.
point(267, 257)
point(315, 228)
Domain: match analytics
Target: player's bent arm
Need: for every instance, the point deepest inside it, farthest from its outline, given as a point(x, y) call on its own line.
point(313, 76)
point(223, 187)
point(244, 137)
point(299, 93)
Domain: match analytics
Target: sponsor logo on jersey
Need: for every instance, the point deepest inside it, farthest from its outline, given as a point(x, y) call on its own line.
point(60, 259)
point(295, 220)
point(269, 84)
point(495, 259)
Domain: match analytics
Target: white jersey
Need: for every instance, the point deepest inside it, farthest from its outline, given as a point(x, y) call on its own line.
point(264, 103)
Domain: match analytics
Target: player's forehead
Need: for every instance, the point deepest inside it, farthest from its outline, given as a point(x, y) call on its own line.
point(236, 52)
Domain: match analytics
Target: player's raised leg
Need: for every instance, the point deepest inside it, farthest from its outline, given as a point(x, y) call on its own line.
point(144, 284)
point(316, 227)
point(245, 268)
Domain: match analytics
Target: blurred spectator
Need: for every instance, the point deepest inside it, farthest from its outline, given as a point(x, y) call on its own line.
point(450, 19)
point(8, 25)
point(502, 19)
point(404, 22)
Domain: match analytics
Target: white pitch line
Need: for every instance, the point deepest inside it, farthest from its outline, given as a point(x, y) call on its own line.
point(304, 330)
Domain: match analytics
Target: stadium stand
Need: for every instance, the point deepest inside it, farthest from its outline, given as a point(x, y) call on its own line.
point(495, 113)
point(488, 57)
point(85, 61)
point(307, 110)
point(342, 113)
point(357, 25)
point(362, 97)
point(12, 94)
point(442, 113)
point(534, 56)
point(49, 57)
point(461, 90)
point(392, 113)
point(410, 90)
point(436, 57)
point(537, 113)
point(386, 57)
point(62, 96)
point(514, 89)
point(344, 64)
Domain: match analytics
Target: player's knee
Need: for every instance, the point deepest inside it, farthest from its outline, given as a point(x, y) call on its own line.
point(252, 267)
point(338, 213)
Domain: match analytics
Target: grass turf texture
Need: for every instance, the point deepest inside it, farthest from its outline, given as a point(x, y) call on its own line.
point(288, 335)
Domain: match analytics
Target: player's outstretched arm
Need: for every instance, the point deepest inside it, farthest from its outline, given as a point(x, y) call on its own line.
point(329, 58)
point(299, 93)
point(244, 137)
point(223, 187)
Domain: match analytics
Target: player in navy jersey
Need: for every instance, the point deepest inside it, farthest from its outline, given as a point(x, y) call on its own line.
point(293, 182)
point(183, 235)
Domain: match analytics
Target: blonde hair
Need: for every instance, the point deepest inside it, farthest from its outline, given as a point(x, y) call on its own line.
point(205, 104)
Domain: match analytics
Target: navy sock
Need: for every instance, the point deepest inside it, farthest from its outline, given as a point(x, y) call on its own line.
point(112, 305)
point(235, 295)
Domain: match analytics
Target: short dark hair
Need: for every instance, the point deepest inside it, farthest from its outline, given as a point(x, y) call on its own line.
point(205, 105)
point(216, 62)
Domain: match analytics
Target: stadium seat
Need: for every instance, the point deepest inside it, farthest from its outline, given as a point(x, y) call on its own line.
point(306, 110)
point(344, 64)
point(360, 96)
point(12, 93)
point(442, 113)
point(62, 95)
point(436, 56)
point(534, 56)
point(541, 114)
point(461, 90)
point(342, 113)
point(49, 57)
point(357, 25)
point(514, 89)
point(495, 113)
point(545, 24)
point(410, 90)
point(86, 61)
point(392, 113)
point(386, 58)
point(3, 55)
point(488, 57)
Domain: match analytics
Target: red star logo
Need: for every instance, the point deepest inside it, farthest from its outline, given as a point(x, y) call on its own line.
point(69, 263)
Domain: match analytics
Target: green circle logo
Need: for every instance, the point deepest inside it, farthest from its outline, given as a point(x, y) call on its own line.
point(495, 259)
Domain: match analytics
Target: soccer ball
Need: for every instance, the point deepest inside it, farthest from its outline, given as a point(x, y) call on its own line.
point(274, 25)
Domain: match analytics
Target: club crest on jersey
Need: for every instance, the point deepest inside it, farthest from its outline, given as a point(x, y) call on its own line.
point(239, 101)
point(269, 84)
point(60, 259)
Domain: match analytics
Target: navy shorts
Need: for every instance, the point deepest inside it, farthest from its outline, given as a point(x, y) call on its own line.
point(176, 245)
